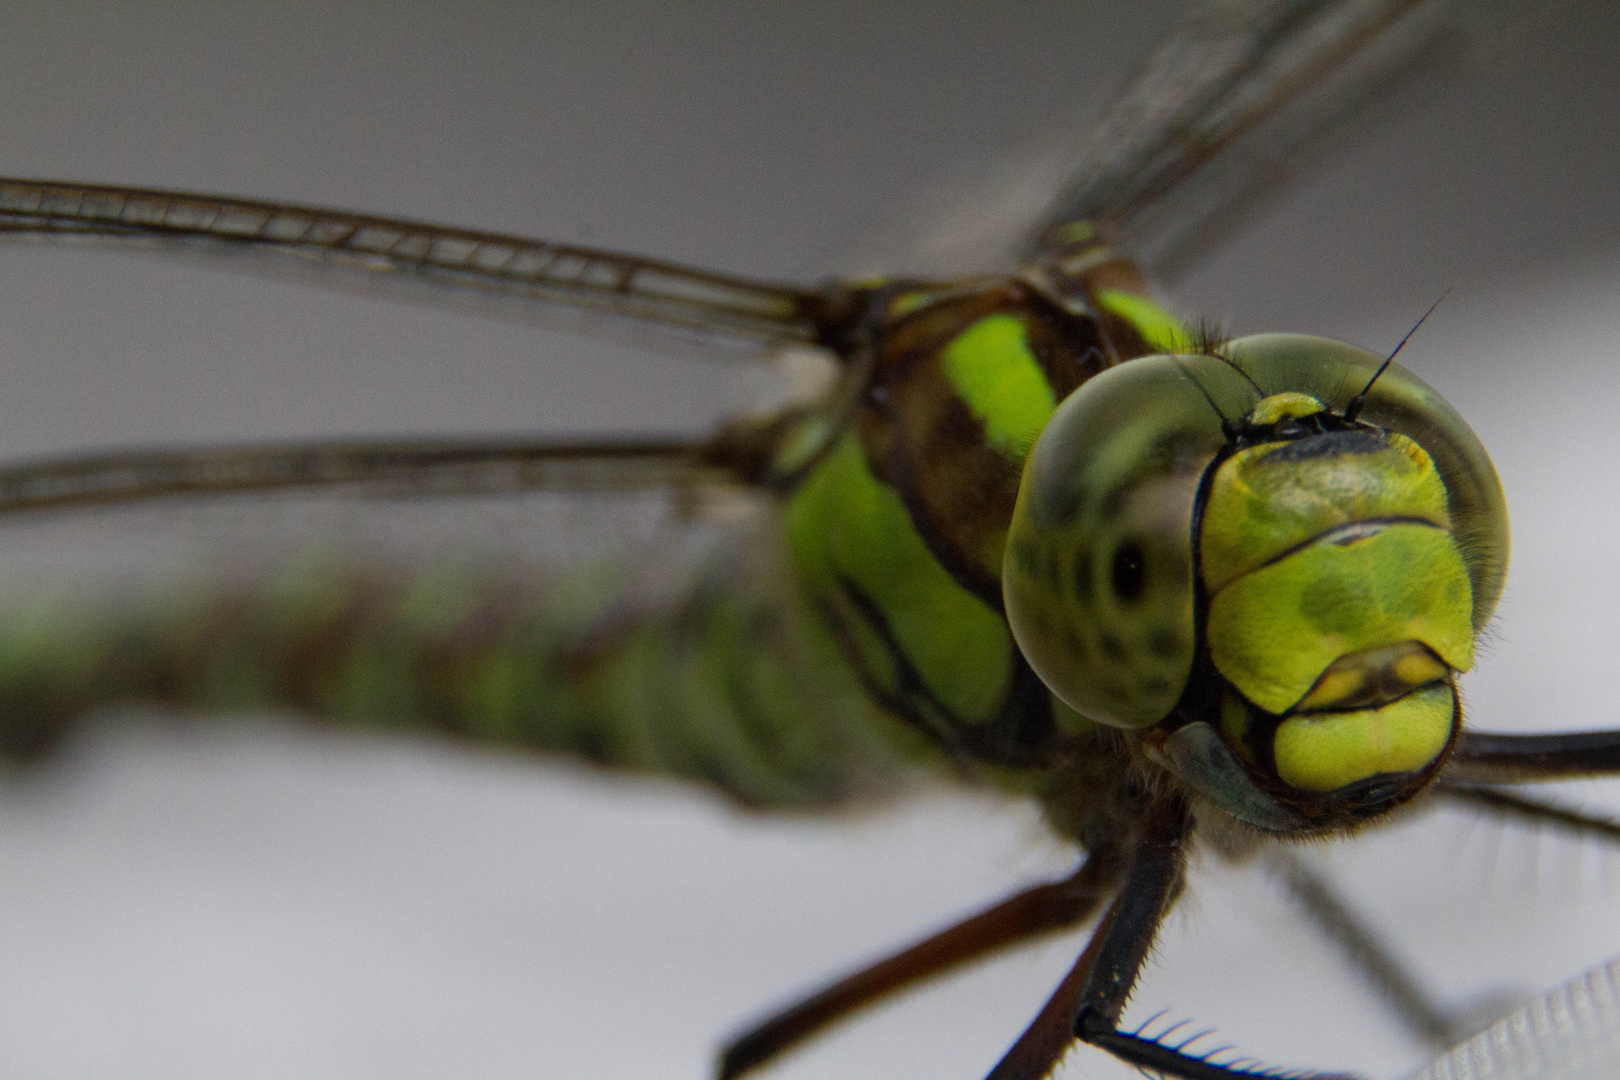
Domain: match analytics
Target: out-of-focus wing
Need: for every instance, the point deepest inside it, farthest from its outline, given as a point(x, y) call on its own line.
point(487, 272)
point(394, 468)
point(1245, 95)
point(1571, 1034)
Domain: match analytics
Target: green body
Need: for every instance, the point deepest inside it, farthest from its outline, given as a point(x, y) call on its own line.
point(729, 678)
point(844, 638)
point(852, 630)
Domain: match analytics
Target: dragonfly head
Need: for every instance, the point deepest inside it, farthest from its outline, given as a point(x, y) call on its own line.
point(1273, 590)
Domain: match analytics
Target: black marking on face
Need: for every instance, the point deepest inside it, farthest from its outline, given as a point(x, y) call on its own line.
point(1333, 444)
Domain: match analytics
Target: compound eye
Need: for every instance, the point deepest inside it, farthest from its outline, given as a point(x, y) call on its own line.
point(1129, 576)
point(1098, 579)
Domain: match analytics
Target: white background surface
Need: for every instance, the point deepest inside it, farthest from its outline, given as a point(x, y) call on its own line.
point(253, 903)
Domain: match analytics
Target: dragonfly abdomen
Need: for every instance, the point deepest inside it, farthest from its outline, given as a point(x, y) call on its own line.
point(719, 674)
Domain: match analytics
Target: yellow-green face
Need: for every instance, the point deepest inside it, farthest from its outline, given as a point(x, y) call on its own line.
point(1337, 600)
point(1206, 551)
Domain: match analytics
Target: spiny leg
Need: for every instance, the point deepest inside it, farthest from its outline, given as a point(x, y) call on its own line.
point(1377, 963)
point(1511, 804)
point(1051, 1033)
point(1089, 1002)
point(1035, 911)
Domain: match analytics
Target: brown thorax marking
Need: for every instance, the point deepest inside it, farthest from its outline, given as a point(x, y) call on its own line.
point(922, 440)
point(1077, 262)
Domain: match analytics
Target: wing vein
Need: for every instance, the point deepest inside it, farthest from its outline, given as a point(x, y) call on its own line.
point(394, 468)
point(728, 309)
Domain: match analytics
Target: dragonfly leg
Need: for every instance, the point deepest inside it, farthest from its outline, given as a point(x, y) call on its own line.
point(1484, 760)
point(1089, 1001)
point(1027, 914)
point(1376, 962)
point(1533, 811)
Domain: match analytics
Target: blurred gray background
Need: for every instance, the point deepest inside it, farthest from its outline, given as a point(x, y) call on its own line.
point(250, 902)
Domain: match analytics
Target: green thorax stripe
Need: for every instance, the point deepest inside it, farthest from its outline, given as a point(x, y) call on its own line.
point(962, 388)
point(1159, 329)
point(898, 609)
point(991, 367)
point(906, 555)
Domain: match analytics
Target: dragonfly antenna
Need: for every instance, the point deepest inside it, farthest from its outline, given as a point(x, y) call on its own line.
point(1353, 407)
point(1228, 426)
point(1233, 364)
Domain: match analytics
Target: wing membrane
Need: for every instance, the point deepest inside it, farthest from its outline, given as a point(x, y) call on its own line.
point(1243, 97)
point(484, 270)
point(394, 468)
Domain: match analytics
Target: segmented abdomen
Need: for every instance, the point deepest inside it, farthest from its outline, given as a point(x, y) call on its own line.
point(714, 669)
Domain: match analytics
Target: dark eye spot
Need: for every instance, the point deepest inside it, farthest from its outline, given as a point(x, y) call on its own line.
point(1115, 649)
point(1164, 643)
point(1129, 576)
point(1082, 578)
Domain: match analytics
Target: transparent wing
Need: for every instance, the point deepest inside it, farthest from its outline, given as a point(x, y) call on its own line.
point(488, 272)
point(1244, 96)
point(1574, 1031)
point(650, 622)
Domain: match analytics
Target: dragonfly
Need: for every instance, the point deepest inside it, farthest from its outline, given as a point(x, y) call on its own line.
point(652, 452)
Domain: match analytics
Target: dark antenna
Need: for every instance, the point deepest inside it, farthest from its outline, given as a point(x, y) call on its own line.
point(1229, 427)
point(1233, 364)
point(1354, 406)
